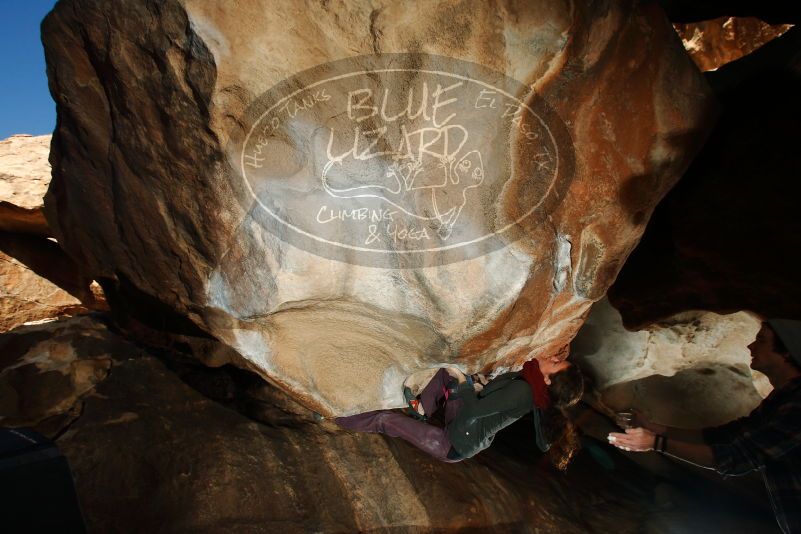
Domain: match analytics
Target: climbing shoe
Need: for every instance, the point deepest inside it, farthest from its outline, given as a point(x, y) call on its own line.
point(413, 405)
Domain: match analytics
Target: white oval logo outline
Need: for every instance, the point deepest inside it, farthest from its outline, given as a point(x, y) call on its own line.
point(416, 251)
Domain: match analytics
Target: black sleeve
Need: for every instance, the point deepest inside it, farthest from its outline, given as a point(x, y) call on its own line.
point(498, 382)
point(724, 433)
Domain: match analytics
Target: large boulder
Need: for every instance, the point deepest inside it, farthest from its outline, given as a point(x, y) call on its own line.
point(37, 279)
point(689, 370)
point(349, 194)
point(25, 296)
point(46, 368)
point(24, 177)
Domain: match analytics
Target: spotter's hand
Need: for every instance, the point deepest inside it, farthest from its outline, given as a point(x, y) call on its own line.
point(635, 439)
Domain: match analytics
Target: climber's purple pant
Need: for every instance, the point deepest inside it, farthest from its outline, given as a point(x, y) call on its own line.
point(429, 438)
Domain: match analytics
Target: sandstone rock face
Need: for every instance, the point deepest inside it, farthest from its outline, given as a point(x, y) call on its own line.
point(26, 296)
point(24, 177)
point(699, 397)
point(39, 281)
point(691, 370)
point(713, 43)
point(415, 185)
point(46, 368)
point(128, 423)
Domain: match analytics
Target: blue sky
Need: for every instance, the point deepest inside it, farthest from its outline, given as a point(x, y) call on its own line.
point(25, 102)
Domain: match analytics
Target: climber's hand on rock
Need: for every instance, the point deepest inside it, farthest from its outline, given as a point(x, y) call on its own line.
point(479, 378)
point(457, 374)
point(635, 439)
point(478, 386)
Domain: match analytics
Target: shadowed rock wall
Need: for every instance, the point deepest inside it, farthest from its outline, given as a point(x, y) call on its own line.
point(728, 236)
point(159, 442)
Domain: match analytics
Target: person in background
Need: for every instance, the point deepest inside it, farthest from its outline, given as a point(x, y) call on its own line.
point(766, 440)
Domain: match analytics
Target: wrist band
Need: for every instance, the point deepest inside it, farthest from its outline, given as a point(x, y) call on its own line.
point(660, 443)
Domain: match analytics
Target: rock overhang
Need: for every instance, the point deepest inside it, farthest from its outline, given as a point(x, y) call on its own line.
point(339, 332)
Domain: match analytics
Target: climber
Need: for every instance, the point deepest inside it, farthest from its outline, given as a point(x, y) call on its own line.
point(767, 439)
point(475, 411)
